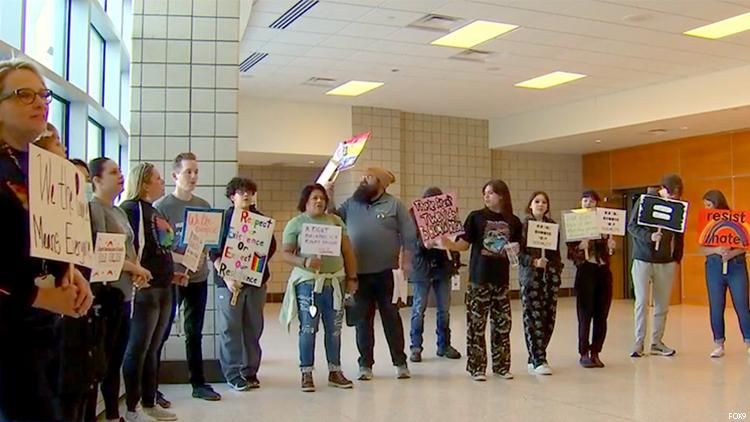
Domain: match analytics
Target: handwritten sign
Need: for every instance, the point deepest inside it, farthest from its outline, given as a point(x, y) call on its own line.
point(245, 254)
point(581, 224)
point(612, 221)
point(59, 220)
point(206, 222)
point(437, 216)
point(194, 252)
point(727, 228)
point(320, 239)
point(543, 235)
point(344, 158)
point(667, 214)
point(110, 257)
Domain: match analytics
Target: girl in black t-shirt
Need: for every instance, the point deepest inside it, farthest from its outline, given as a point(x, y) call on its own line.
point(493, 233)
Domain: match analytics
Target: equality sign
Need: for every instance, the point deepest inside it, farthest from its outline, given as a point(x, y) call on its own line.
point(724, 228)
point(437, 216)
point(206, 222)
point(581, 224)
point(542, 235)
point(245, 254)
point(612, 221)
point(320, 239)
point(667, 214)
point(346, 155)
point(59, 219)
point(194, 252)
point(110, 257)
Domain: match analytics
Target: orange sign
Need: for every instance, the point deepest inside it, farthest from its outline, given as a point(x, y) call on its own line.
point(724, 228)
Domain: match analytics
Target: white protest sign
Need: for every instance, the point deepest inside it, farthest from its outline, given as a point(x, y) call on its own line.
point(581, 224)
point(207, 222)
point(59, 220)
point(543, 235)
point(319, 239)
point(245, 254)
point(110, 257)
point(193, 253)
point(612, 221)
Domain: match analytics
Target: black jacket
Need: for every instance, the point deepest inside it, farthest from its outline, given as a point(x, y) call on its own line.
point(671, 246)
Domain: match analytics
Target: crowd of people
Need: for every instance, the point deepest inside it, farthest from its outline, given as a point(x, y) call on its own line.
point(64, 340)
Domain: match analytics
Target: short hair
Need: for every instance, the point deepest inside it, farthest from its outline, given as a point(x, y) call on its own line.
point(673, 184)
point(305, 196)
point(590, 193)
point(240, 183)
point(183, 156)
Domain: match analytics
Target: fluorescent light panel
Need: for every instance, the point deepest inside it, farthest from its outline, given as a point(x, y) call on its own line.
point(723, 28)
point(549, 80)
point(354, 88)
point(473, 34)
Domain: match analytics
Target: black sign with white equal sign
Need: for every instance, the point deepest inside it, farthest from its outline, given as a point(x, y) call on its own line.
point(667, 214)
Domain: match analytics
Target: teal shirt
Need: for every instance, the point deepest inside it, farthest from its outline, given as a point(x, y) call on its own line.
point(293, 230)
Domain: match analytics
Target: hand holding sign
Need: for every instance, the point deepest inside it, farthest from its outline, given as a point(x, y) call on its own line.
point(663, 214)
point(437, 217)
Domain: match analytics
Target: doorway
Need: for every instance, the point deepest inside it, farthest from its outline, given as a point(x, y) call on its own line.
point(628, 197)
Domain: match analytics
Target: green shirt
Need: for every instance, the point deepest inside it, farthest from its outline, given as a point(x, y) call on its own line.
point(293, 230)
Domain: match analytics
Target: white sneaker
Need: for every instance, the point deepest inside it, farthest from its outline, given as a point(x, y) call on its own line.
point(543, 369)
point(506, 375)
point(531, 368)
point(159, 414)
point(137, 417)
point(479, 377)
point(718, 352)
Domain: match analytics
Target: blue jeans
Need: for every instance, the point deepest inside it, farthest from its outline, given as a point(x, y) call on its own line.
point(442, 288)
point(717, 283)
point(308, 326)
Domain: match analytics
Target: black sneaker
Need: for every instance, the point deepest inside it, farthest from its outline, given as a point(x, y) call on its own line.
point(205, 392)
point(252, 381)
point(239, 384)
point(162, 401)
point(586, 361)
point(450, 352)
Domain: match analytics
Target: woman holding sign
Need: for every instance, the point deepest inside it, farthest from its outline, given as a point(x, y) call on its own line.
point(539, 277)
point(314, 290)
point(151, 306)
point(725, 267)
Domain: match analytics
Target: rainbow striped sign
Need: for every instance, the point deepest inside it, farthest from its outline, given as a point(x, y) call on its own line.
point(724, 228)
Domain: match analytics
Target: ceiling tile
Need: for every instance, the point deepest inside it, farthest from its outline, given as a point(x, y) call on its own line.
point(330, 10)
point(366, 30)
point(318, 26)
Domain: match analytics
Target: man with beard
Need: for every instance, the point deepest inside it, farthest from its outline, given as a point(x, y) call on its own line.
point(379, 227)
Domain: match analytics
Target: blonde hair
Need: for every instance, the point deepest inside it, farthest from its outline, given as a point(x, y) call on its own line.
point(9, 66)
point(137, 177)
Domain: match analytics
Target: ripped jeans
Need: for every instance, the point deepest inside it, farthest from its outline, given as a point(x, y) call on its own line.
point(308, 326)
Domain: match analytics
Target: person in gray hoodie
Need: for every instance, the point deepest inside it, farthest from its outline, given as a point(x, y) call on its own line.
point(656, 256)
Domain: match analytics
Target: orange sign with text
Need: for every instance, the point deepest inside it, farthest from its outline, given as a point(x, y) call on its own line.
point(726, 228)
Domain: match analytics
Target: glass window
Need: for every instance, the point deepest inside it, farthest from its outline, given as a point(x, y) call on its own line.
point(58, 116)
point(45, 32)
point(103, 3)
point(94, 140)
point(96, 65)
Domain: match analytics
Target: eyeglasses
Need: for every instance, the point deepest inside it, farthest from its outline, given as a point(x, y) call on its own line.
point(27, 95)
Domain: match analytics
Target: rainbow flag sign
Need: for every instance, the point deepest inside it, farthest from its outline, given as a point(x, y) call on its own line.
point(726, 228)
point(245, 254)
point(344, 158)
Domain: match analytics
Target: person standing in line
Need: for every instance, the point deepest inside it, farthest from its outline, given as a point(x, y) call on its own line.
point(493, 233)
point(240, 320)
point(432, 269)
point(194, 295)
point(656, 256)
point(593, 286)
point(717, 281)
point(539, 276)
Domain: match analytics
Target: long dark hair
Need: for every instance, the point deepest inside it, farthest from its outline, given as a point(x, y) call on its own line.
point(501, 189)
point(531, 199)
point(717, 198)
point(96, 168)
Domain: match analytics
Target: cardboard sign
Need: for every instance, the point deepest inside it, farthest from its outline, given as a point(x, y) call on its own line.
point(581, 224)
point(320, 239)
point(110, 257)
point(542, 235)
point(59, 220)
point(206, 222)
point(667, 214)
point(245, 254)
point(724, 228)
point(612, 221)
point(344, 158)
point(437, 216)
point(194, 252)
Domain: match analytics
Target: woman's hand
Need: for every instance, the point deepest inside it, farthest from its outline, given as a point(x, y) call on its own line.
point(611, 244)
point(584, 244)
point(541, 262)
point(180, 279)
point(352, 285)
point(313, 263)
point(84, 297)
point(233, 285)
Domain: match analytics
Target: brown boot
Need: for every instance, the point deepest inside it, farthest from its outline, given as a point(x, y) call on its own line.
point(338, 380)
point(308, 385)
point(595, 359)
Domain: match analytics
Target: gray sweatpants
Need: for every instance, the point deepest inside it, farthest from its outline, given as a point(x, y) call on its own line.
point(240, 328)
point(662, 277)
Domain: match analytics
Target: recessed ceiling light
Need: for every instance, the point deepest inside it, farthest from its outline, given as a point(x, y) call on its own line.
point(723, 28)
point(657, 131)
point(354, 88)
point(684, 128)
point(598, 141)
point(311, 162)
point(549, 80)
point(473, 34)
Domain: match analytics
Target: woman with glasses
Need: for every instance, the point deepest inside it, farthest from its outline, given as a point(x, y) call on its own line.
point(33, 292)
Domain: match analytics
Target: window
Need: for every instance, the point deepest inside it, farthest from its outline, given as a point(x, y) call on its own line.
point(103, 3)
point(58, 116)
point(96, 65)
point(45, 34)
point(94, 140)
